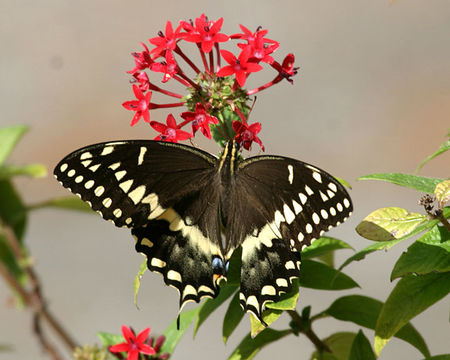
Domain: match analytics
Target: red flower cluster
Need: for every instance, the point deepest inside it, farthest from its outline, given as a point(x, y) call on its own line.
point(216, 102)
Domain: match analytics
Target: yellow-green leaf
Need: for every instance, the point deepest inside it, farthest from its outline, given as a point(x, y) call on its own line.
point(33, 170)
point(340, 345)
point(410, 296)
point(9, 136)
point(137, 280)
point(389, 224)
point(442, 193)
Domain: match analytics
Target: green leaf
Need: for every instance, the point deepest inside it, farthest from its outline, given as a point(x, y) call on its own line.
point(33, 170)
point(343, 182)
point(269, 316)
point(388, 244)
point(439, 357)
point(287, 301)
point(430, 253)
point(411, 296)
point(64, 202)
point(274, 310)
point(317, 275)
point(12, 210)
point(322, 246)
point(108, 339)
point(137, 280)
point(9, 136)
point(442, 149)
point(173, 335)
point(421, 183)
point(232, 318)
point(442, 193)
point(364, 311)
point(389, 223)
point(212, 304)
point(340, 345)
point(249, 347)
point(361, 348)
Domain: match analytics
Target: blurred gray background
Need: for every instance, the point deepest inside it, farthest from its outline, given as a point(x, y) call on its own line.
point(372, 95)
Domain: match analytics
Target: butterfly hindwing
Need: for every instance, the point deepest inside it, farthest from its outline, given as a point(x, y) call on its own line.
point(184, 262)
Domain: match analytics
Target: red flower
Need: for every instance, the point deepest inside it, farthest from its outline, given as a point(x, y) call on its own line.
point(169, 67)
point(142, 60)
point(167, 42)
point(200, 120)
point(246, 134)
point(206, 32)
point(251, 37)
point(169, 132)
point(287, 69)
point(240, 67)
point(134, 345)
point(142, 78)
point(142, 105)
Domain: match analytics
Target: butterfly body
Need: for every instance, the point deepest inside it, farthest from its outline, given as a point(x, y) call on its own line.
point(189, 211)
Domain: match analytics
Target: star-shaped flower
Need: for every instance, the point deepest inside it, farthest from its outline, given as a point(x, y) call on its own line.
point(240, 66)
point(141, 105)
point(206, 32)
point(246, 134)
point(200, 120)
point(142, 60)
point(134, 345)
point(165, 42)
point(169, 132)
point(169, 67)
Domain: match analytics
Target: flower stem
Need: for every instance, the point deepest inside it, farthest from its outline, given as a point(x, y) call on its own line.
point(186, 59)
point(202, 54)
point(165, 92)
point(276, 80)
point(308, 332)
point(211, 62)
point(162, 106)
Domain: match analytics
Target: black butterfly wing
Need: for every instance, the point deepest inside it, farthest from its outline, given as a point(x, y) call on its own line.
point(287, 205)
point(160, 190)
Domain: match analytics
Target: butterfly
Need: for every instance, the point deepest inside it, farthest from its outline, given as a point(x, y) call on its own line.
point(189, 211)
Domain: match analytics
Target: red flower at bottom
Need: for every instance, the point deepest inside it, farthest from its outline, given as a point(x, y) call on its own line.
point(200, 120)
point(246, 134)
point(134, 345)
point(169, 132)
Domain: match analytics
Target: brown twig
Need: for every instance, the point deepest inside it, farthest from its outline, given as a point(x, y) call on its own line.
point(33, 297)
point(308, 332)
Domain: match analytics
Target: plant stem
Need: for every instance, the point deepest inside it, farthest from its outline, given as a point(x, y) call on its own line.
point(308, 332)
point(33, 297)
point(444, 221)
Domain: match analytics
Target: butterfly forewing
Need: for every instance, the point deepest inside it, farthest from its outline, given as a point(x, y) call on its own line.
point(287, 205)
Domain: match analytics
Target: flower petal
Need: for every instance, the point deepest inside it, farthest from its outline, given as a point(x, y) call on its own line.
point(226, 71)
point(143, 335)
point(159, 127)
point(228, 56)
point(119, 347)
point(170, 121)
point(128, 334)
point(146, 349)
